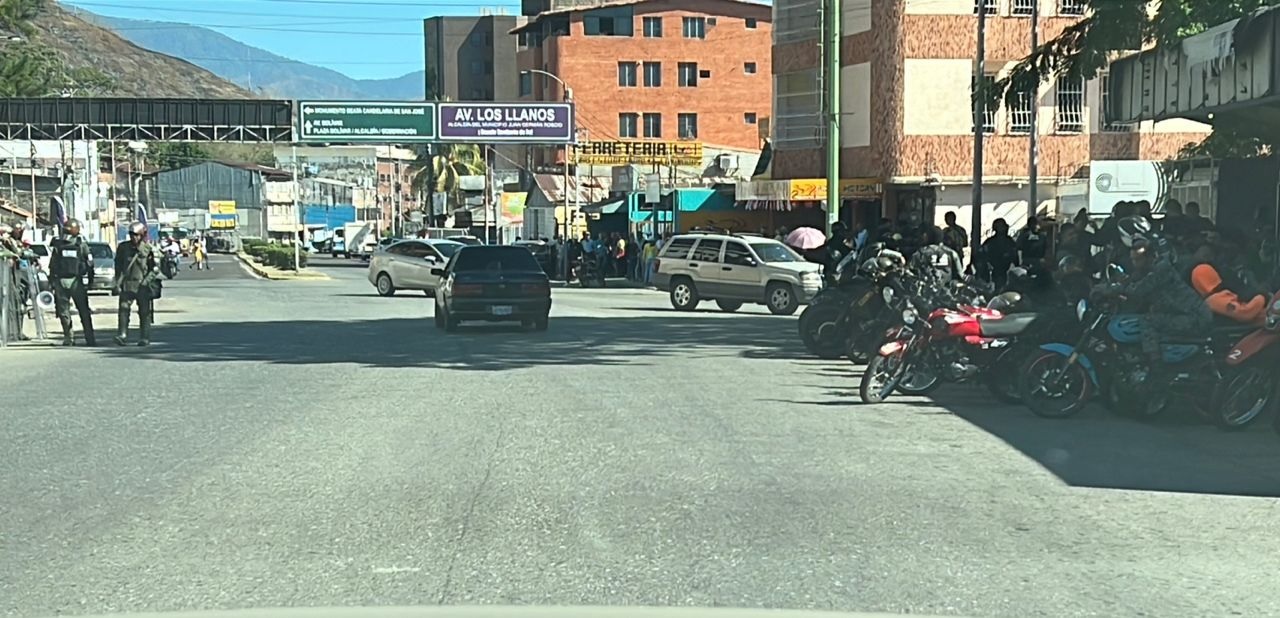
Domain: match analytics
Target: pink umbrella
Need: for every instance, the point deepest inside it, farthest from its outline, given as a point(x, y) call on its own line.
point(806, 238)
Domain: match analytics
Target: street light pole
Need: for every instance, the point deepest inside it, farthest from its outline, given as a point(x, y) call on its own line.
point(568, 156)
point(979, 122)
point(297, 213)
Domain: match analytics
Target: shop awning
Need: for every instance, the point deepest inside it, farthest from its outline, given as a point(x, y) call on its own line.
point(605, 207)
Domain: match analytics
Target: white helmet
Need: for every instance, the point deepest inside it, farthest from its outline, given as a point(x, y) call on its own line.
point(1134, 230)
point(137, 228)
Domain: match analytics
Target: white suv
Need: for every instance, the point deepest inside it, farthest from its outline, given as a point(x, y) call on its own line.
point(735, 269)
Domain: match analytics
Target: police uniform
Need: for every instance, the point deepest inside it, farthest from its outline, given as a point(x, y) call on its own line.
point(136, 268)
point(69, 264)
point(938, 263)
point(1174, 307)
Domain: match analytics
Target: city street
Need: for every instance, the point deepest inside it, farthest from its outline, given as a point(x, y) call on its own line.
point(308, 443)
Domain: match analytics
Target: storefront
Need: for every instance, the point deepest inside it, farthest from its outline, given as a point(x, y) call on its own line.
point(773, 204)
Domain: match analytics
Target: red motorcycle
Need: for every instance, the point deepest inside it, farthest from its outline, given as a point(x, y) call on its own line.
point(1247, 387)
point(955, 343)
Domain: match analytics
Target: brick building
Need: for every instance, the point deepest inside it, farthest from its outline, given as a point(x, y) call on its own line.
point(693, 70)
point(906, 111)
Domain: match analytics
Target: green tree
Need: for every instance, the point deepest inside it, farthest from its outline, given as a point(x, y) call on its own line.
point(447, 164)
point(174, 155)
point(1086, 47)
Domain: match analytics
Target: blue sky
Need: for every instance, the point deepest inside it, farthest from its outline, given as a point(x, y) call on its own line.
point(363, 39)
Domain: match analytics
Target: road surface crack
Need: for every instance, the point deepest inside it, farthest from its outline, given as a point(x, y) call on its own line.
point(469, 514)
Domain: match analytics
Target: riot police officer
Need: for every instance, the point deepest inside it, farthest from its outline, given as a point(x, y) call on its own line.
point(69, 266)
point(136, 271)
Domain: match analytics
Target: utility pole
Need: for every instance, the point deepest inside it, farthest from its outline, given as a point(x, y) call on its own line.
point(31, 221)
point(979, 118)
point(297, 212)
point(832, 49)
point(1033, 172)
point(488, 191)
point(397, 226)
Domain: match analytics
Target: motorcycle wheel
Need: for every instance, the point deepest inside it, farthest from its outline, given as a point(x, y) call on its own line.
point(863, 341)
point(1243, 397)
point(1066, 397)
point(821, 331)
point(918, 381)
point(881, 378)
point(1000, 378)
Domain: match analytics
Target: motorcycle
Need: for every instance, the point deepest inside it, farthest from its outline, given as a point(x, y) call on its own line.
point(956, 342)
point(1249, 378)
point(839, 320)
point(1107, 360)
point(168, 266)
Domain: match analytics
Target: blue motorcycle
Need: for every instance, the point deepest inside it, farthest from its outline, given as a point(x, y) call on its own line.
point(1107, 360)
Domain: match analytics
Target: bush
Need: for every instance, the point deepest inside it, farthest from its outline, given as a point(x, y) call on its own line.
point(251, 243)
point(281, 257)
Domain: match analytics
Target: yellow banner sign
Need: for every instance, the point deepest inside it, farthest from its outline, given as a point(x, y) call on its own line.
point(222, 207)
point(806, 189)
point(222, 214)
point(644, 153)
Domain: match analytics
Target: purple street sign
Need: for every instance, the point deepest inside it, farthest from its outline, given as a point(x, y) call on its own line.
point(530, 123)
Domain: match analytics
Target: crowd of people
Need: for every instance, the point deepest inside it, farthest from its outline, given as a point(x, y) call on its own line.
point(608, 255)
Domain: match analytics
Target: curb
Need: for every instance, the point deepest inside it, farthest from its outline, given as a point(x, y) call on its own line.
point(276, 275)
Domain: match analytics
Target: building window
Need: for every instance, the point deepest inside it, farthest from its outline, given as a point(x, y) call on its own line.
point(990, 6)
point(1070, 104)
point(1020, 115)
point(608, 22)
point(1024, 7)
point(751, 23)
point(687, 74)
point(653, 75)
point(627, 74)
point(628, 125)
point(653, 27)
point(797, 118)
point(653, 125)
point(1107, 126)
point(1071, 7)
point(688, 126)
point(991, 107)
point(749, 117)
point(526, 84)
point(695, 27)
point(477, 67)
point(749, 68)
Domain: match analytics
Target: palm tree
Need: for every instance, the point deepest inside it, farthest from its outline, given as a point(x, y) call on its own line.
point(440, 171)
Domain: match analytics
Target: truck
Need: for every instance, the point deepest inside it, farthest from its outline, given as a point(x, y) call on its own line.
point(357, 239)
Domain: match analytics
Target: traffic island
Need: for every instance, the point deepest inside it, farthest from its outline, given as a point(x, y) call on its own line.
point(276, 274)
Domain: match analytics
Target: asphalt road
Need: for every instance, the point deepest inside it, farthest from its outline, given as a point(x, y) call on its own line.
point(308, 443)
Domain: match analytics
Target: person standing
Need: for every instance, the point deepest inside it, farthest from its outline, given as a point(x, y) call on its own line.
point(953, 236)
point(70, 264)
point(999, 253)
point(136, 270)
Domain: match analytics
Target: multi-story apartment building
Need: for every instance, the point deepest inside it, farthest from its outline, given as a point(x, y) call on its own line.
point(660, 70)
point(906, 119)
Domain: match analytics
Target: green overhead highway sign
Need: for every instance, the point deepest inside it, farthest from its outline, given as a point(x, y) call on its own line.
point(386, 122)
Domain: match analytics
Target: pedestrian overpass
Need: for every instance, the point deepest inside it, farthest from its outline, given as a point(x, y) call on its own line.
point(124, 119)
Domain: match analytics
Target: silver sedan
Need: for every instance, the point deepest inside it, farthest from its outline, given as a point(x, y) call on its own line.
point(407, 264)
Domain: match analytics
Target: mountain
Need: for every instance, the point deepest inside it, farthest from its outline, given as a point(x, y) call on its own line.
point(135, 71)
point(255, 68)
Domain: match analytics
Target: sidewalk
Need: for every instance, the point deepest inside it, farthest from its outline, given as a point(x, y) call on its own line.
point(617, 283)
point(275, 274)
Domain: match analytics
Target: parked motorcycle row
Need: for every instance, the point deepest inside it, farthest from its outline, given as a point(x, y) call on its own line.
point(1052, 344)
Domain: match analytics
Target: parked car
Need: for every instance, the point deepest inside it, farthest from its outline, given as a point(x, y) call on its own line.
point(407, 264)
point(735, 269)
point(541, 252)
point(492, 284)
point(470, 241)
point(104, 266)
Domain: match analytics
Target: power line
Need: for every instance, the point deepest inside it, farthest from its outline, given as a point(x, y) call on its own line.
point(291, 61)
point(272, 28)
point(216, 12)
point(364, 3)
